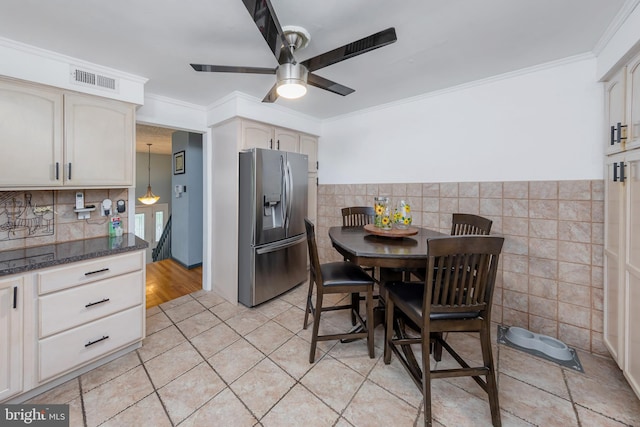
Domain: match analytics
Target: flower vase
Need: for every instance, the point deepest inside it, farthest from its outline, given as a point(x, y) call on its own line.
point(382, 217)
point(402, 216)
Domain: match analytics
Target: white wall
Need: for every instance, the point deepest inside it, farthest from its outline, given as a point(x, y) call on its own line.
point(542, 124)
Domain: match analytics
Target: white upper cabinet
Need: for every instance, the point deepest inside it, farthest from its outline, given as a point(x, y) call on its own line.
point(615, 105)
point(260, 135)
point(633, 83)
point(99, 141)
point(31, 135)
point(309, 146)
point(55, 138)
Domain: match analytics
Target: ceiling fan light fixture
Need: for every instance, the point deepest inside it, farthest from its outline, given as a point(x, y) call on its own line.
point(292, 81)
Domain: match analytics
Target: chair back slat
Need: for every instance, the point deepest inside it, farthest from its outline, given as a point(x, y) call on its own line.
point(465, 224)
point(461, 273)
point(314, 259)
point(357, 216)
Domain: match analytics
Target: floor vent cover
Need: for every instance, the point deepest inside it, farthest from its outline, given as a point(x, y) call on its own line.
point(88, 78)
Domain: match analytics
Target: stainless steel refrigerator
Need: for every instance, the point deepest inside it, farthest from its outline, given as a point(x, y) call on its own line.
point(272, 248)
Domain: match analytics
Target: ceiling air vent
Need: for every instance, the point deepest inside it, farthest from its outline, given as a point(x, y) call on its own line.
point(88, 78)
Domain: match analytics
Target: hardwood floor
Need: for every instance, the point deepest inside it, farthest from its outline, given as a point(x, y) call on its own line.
point(167, 280)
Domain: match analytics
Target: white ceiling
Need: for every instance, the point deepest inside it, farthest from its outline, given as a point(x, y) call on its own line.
point(441, 43)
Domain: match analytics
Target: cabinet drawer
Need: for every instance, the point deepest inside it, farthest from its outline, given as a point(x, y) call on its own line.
point(85, 272)
point(73, 348)
point(73, 307)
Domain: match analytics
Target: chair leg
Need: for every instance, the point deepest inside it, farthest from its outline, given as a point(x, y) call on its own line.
point(316, 326)
point(492, 386)
point(309, 308)
point(370, 322)
point(426, 378)
point(355, 306)
point(437, 348)
point(388, 330)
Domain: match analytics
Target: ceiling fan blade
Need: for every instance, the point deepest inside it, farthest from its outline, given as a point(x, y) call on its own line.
point(352, 49)
point(272, 95)
point(232, 69)
point(265, 18)
point(326, 84)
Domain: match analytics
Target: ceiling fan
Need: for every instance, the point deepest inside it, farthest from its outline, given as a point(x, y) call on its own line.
point(292, 76)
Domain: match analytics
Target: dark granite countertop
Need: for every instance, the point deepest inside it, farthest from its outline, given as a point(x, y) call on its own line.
point(36, 257)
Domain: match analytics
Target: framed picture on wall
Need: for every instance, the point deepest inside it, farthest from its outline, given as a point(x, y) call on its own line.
point(178, 163)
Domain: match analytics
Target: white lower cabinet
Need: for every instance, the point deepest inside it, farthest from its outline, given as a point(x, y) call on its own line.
point(72, 349)
point(11, 336)
point(77, 315)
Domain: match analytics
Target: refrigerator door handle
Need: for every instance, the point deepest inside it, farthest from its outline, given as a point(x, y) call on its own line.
point(289, 205)
point(283, 189)
point(281, 245)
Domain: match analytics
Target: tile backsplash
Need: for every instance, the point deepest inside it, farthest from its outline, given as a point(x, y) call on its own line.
point(551, 278)
point(38, 217)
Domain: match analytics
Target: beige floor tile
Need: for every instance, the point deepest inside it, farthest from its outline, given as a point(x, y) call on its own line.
point(197, 324)
point(334, 383)
point(153, 311)
point(343, 423)
point(63, 393)
point(455, 407)
point(590, 418)
point(176, 302)
point(111, 398)
point(147, 412)
point(215, 339)
point(272, 308)
point(182, 396)
point(208, 298)
point(160, 342)
point(226, 310)
point(292, 319)
point(615, 401)
point(297, 296)
point(262, 386)
point(247, 321)
point(223, 410)
point(235, 360)
point(533, 370)
point(173, 363)
point(300, 408)
point(293, 357)
point(76, 418)
point(184, 311)
point(157, 322)
point(104, 373)
point(373, 406)
point(269, 336)
point(395, 379)
point(534, 405)
point(355, 355)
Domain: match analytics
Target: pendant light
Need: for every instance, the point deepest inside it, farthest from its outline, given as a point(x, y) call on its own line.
point(149, 198)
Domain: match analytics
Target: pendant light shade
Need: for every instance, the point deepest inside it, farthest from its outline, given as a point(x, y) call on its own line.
point(149, 198)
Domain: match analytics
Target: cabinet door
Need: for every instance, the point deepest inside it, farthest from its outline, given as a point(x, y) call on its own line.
point(633, 82)
point(615, 101)
point(99, 142)
point(256, 135)
point(31, 135)
point(632, 274)
point(286, 140)
point(309, 146)
point(613, 254)
point(11, 337)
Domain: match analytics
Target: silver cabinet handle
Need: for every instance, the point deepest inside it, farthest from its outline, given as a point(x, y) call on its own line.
point(91, 304)
point(104, 337)
point(96, 272)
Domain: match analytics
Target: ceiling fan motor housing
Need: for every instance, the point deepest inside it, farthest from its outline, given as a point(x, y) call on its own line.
point(292, 73)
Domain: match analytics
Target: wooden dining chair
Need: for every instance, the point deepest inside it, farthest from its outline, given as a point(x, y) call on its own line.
point(455, 297)
point(337, 278)
point(358, 216)
point(465, 224)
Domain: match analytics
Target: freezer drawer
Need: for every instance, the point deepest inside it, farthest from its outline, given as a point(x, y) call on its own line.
point(275, 269)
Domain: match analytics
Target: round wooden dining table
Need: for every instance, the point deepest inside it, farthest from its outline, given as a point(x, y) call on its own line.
point(391, 254)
